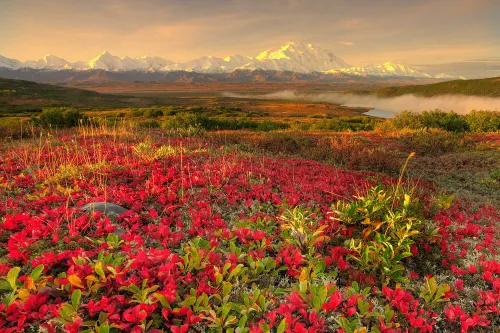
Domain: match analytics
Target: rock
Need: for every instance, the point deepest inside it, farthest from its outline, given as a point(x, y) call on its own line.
point(107, 208)
point(119, 231)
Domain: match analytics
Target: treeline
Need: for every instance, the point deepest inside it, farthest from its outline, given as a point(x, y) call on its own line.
point(187, 120)
point(194, 118)
point(475, 121)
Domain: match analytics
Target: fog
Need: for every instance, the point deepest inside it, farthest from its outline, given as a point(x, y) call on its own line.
point(386, 107)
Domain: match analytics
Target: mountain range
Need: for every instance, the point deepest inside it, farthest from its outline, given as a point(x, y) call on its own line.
point(291, 57)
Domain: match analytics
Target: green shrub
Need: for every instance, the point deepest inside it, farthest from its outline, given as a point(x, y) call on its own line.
point(267, 126)
point(195, 109)
point(135, 112)
point(344, 124)
point(476, 121)
point(430, 142)
point(153, 113)
point(354, 153)
point(405, 119)
point(60, 117)
point(449, 121)
point(186, 120)
point(483, 121)
point(149, 124)
point(386, 221)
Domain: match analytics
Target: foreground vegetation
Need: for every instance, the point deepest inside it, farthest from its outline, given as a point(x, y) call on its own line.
point(219, 238)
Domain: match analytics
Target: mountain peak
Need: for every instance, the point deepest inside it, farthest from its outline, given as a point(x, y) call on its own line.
point(294, 43)
point(388, 68)
point(294, 56)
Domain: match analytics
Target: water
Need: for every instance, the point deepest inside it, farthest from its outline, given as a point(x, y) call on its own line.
point(381, 113)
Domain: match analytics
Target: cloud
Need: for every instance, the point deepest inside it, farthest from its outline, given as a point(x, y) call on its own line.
point(459, 104)
point(478, 68)
point(347, 43)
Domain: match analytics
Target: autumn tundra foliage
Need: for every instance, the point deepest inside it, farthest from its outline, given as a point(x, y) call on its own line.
point(216, 239)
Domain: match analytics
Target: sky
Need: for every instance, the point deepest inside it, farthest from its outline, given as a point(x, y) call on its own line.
point(458, 35)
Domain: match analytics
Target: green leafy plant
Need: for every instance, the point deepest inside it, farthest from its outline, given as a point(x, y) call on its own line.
point(141, 295)
point(69, 312)
point(300, 229)
point(380, 256)
point(434, 293)
point(146, 151)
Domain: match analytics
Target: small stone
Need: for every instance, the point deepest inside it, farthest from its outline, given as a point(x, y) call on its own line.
point(106, 208)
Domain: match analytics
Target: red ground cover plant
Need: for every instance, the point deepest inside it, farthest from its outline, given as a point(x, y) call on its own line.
point(219, 241)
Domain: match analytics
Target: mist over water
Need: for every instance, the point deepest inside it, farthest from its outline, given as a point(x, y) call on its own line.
point(385, 107)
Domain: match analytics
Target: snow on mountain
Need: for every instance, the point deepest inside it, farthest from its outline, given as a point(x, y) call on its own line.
point(109, 62)
point(237, 60)
point(386, 69)
point(80, 65)
point(445, 76)
point(298, 57)
point(49, 61)
point(206, 64)
point(155, 62)
point(106, 61)
point(293, 56)
point(9, 63)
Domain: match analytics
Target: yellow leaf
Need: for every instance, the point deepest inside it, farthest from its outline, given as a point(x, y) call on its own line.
point(23, 294)
point(76, 281)
point(91, 278)
point(360, 330)
point(28, 283)
point(99, 269)
point(320, 239)
point(323, 227)
point(303, 275)
point(366, 233)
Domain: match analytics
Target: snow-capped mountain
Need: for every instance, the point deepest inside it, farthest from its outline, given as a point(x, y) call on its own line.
point(386, 69)
point(9, 63)
point(237, 60)
point(49, 61)
point(445, 76)
point(206, 64)
point(298, 57)
point(293, 56)
point(109, 62)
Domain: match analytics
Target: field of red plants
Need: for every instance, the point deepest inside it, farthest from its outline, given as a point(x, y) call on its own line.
point(216, 240)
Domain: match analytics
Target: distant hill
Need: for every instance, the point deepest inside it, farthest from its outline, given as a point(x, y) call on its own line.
point(19, 95)
point(489, 87)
